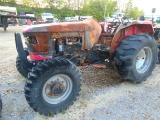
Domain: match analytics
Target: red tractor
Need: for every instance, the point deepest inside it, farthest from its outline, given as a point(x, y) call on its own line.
point(55, 50)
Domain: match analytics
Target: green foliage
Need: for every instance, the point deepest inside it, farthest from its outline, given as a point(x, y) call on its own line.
point(96, 8)
point(128, 9)
point(132, 12)
point(111, 7)
point(61, 9)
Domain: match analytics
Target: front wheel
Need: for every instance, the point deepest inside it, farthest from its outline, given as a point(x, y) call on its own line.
point(21, 68)
point(52, 86)
point(136, 57)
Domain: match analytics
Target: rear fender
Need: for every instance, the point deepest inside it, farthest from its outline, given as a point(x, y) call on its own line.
point(131, 29)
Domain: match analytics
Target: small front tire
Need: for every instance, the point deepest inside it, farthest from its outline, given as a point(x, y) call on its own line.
point(21, 68)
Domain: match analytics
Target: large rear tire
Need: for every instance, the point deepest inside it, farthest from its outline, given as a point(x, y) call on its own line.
point(136, 57)
point(52, 86)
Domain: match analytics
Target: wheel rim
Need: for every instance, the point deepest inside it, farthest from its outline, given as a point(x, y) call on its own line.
point(143, 59)
point(57, 89)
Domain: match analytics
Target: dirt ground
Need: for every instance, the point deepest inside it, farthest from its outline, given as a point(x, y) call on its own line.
point(104, 94)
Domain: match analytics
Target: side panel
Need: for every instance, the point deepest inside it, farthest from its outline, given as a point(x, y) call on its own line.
point(92, 33)
point(42, 42)
point(128, 31)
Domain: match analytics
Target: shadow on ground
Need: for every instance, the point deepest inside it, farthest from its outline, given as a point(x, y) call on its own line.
point(100, 78)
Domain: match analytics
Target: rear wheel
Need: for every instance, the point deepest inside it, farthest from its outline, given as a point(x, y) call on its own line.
point(52, 86)
point(136, 57)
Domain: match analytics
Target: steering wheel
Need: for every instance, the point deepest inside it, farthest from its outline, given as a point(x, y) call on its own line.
point(125, 21)
point(116, 22)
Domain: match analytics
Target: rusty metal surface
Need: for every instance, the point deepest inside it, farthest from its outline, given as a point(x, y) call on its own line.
point(66, 34)
point(92, 33)
point(58, 27)
point(89, 30)
point(42, 43)
point(115, 40)
point(99, 66)
point(105, 38)
point(86, 25)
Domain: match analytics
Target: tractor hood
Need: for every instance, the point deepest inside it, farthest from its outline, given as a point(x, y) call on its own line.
point(89, 30)
point(81, 26)
point(56, 27)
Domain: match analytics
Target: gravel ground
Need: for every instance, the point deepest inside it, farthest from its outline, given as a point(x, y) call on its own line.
point(104, 94)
